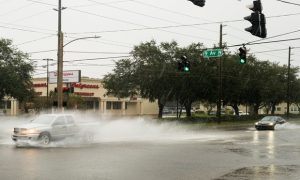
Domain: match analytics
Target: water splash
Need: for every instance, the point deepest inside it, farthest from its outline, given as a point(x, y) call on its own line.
point(121, 130)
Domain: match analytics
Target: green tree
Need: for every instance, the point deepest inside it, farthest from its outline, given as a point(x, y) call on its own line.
point(122, 81)
point(15, 73)
point(235, 80)
point(153, 74)
point(199, 84)
point(294, 92)
point(257, 83)
point(147, 75)
point(275, 86)
point(74, 101)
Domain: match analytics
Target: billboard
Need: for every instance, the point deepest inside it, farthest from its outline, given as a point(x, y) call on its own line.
point(72, 76)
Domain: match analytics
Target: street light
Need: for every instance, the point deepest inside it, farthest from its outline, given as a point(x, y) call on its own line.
point(89, 37)
point(60, 67)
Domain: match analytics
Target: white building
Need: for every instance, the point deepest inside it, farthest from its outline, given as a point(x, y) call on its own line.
point(92, 93)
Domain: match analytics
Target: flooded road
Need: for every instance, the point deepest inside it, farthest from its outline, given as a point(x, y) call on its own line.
point(137, 149)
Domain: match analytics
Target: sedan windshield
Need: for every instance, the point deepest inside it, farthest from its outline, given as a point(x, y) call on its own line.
point(43, 119)
point(268, 118)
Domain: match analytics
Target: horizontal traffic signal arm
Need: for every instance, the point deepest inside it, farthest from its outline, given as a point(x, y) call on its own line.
point(200, 3)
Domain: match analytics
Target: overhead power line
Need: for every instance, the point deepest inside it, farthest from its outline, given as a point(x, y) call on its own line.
point(39, 2)
point(93, 4)
point(293, 39)
point(283, 34)
point(289, 2)
point(15, 10)
point(176, 26)
point(193, 24)
point(45, 37)
point(141, 14)
point(30, 16)
point(34, 52)
point(169, 10)
point(92, 59)
point(26, 30)
point(93, 65)
point(131, 23)
point(283, 49)
point(28, 27)
point(267, 42)
point(95, 52)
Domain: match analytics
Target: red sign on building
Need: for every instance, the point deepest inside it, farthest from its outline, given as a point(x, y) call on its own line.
point(88, 86)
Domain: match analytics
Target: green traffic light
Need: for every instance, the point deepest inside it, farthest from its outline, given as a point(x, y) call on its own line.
point(186, 69)
point(242, 61)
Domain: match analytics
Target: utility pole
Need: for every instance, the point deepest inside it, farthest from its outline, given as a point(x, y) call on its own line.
point(59, 61)
point(220, 77)
point(48, 80)
point(288, 85)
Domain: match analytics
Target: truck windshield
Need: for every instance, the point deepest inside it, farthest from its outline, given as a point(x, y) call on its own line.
point(43, 119)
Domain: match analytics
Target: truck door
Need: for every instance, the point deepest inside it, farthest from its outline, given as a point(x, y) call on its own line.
point(72, 128)
point(59, 128)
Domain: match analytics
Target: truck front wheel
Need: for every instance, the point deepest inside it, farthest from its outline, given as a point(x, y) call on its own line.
point(45, 138)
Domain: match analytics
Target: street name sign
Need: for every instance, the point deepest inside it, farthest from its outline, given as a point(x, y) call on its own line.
point(212, 53)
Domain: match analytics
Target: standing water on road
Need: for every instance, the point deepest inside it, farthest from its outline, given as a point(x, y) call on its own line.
point(120, 130)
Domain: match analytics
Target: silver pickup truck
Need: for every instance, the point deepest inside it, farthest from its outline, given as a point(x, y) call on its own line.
point(49, 127)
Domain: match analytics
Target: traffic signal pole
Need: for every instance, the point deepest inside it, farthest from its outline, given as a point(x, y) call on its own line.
point(288, 86)
point(220, 87)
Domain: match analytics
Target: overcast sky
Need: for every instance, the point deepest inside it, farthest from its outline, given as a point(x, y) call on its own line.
point(32, 25)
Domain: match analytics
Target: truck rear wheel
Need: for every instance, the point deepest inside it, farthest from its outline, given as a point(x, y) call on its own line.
point(45, 138)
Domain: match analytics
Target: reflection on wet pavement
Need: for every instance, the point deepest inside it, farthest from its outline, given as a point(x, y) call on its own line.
point(263, 172)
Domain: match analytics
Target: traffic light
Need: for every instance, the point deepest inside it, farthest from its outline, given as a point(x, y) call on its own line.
point(200, 3)
point(66, 90)
point(71, 89)
point(243, 55)
point(179, 66)
point(257, 19)
point(184, 64)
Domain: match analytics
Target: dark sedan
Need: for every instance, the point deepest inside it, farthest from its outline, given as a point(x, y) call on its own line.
point(269, 122)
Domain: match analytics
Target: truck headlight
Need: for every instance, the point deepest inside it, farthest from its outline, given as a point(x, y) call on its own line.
point(271, 124)
point(31, 131)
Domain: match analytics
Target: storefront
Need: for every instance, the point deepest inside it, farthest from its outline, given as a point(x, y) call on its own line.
point(93, 98)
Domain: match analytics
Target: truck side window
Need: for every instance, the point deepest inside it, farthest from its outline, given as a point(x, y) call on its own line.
point(70, 120)
point(59, 121)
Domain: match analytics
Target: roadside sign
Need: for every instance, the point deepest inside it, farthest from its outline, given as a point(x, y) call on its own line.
point(72, 76)
point(212, 53)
